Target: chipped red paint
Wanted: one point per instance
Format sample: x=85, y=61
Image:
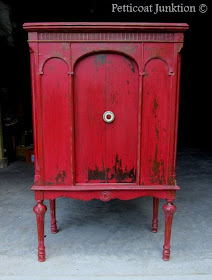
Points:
x=81, y=70
x=53, y=216
x=155, y=214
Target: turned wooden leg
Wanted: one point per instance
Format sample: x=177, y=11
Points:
x=40, y=210
x=169, y=208
x=53, y=216
x=155, y=214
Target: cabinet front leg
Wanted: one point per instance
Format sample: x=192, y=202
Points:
x=40, y=210
x=53, y=216
x=169, y=208
x=155, y=214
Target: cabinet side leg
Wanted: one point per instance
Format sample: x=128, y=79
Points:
x=40, y=210
x=169, y=208
x=53, y=215
x=155, y=214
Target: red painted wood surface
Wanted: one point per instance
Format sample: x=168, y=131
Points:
x=81, y=70
x=106, y=152
x=155, y=119
x=39, y=211
x=52, y=203
x=55, y=88
x=155, y=214
x=169, y=210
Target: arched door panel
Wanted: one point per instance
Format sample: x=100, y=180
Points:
x=106, y=152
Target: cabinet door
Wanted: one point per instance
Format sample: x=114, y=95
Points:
x=106, y=152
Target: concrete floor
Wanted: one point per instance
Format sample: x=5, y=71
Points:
x=112, y=240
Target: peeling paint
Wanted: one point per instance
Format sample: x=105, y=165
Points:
x=156, y=164
x=130, y=63
x=97, y=174
x=171, y=180
x=155, y=107
x=60, y=178
x=172, y=176
x=113, y=98
x=116, y=173
x=157, y=130
x=157, y=169
x=100, y=60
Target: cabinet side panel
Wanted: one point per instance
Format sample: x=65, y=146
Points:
x=36, y=110
x=155, y=122
x=37, y=177
x=55, y=89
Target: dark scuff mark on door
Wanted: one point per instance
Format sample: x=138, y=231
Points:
x=60, y=178
x=157, y=130
x=130, y=63
x=116, y=173
x=114, y=98
x=96, y=174
x=155, y=107
x=100, y=60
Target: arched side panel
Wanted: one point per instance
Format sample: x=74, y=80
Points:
x=155, y=123
x=163, y=51
x=56, y=112
x=54, y=50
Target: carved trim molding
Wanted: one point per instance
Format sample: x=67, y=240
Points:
x=110, y=36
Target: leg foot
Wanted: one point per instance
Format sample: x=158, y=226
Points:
x=53, y=216
x=40, y=210
x=169, y=209
x=155, y=214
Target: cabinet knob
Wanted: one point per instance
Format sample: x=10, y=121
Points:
x=108, y=116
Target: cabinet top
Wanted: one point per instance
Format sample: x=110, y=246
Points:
x=105, y=26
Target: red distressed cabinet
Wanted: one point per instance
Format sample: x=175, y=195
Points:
x=105, y=112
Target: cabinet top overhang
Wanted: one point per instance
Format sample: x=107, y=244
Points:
x=105, y=26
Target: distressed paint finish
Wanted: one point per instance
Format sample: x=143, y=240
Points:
x=81, y=70
x=55, y=88
x=109, y=153
x=52, y=203
x=155, y=122
x=132, y=50
x=155, y=214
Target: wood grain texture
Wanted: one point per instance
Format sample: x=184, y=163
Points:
x=106, y=152
x=55, y=88
x=155, y=123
